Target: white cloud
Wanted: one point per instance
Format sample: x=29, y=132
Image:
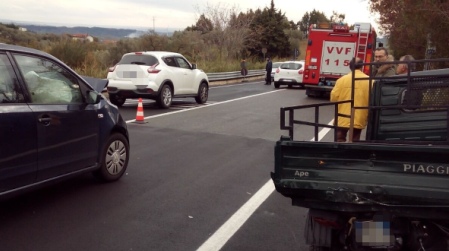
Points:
x=162, y=14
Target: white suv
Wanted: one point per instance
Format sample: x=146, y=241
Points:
x=156, y=75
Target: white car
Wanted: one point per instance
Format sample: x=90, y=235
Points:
x=289, y=73
x=156, y=75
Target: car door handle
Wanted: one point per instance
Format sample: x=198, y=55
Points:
x=44, y=120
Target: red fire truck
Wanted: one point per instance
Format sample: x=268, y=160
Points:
x=330, y=48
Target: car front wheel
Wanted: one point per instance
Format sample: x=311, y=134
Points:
x=116, y=100
x=114, y=158
x=203, y=94
x=165, y=97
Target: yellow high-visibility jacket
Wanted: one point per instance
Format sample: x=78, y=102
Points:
x=342, y=91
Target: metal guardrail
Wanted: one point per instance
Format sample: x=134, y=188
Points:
x=233, y=75
x=220, y=76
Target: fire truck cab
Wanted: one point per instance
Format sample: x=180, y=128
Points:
x=330, y=48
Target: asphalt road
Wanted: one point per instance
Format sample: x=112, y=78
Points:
x=193, y=170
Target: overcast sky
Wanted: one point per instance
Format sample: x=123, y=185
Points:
x=163, y=14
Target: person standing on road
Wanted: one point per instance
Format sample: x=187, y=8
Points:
x=403, y=68
x=383, y=69
x=268, y=68
x=409, y=97
x=243, y=68
x=342, y=91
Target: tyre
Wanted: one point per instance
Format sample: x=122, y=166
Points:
x=203, y=94
x=116, y=100
x=310, y=93
x=276, y=85
x=289, y=86
x=165, y=97
x=114, y=158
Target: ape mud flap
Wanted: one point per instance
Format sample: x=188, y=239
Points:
x=319, y=227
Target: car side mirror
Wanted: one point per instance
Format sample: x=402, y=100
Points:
x=194, y=66
x=93, y=97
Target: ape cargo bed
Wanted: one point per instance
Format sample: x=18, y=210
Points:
x=402, y=166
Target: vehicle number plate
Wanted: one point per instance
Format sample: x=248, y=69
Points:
x=130, y=74
x=373, y=233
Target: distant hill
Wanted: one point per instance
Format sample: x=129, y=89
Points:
x=101, y=33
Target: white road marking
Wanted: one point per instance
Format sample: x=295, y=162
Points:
x=231, y=85
x=233, y=224
x=209, y=105
x=323, y=132
x=227, y=230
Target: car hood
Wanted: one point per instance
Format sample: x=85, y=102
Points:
x=97, y=83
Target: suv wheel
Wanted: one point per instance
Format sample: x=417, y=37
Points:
x=114, y=158
x=276, y=85
x=165, y=97
x=203, y=94
x=116, y=100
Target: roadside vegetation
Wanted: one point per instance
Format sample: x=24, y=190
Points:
x=223, y=36
x=415, y=27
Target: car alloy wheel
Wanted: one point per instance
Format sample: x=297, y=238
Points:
x=165, y=97
x=203, y=94
x=114, y=159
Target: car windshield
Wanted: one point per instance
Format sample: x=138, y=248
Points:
x=138, y=59
x=291, y=66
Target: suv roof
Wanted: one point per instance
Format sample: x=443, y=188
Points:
x=155, y=53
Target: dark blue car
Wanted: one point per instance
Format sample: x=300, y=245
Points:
x=54, y=123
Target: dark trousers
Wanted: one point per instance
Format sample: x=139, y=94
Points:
x=342, y=133
x=268, y=78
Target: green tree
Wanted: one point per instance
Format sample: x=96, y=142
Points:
x=314, y=17
x=294, y=39
x=70, y=52
x=229, y=33
x=204, y=25
x=337, y=17
x=267, y=31
x=408, y=23
x=152, y=42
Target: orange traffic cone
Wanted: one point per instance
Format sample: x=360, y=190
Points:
x=139, y=116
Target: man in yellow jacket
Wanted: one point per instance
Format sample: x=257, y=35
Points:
x=342, y=91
